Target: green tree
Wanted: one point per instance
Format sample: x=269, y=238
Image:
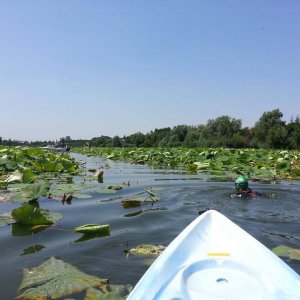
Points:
x=222, y=131
x=263, y=131
x=293, y=129
x=116, y=141
x=277, y=137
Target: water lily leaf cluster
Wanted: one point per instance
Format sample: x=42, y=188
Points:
x=257, y=164
x=27, y=164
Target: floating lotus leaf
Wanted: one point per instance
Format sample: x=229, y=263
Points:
x=51, y=166
x=30, y=215
x=68, y=188
x=131, y=203
x=92, y=231
x=106, y=191
x=286, y=251
x=55, y=279
x=82, y=196
x=147, y=250
x=68, y=165
x=93, y=228
x=32, y=192
x=247, y=161
x=28, y=176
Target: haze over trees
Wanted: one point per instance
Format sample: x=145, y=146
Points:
x=270, y=131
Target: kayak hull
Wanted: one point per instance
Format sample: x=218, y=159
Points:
x=213, y=258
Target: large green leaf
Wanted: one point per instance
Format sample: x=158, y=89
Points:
x=28, y=176
x=93, y=228
x=68, y=188
x=30, y=215
x=55, y=279
x=32, y=192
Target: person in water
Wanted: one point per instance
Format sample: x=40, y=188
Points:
x=242, y=188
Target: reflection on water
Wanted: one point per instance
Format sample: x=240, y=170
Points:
x=273, y=221
x=33, y=249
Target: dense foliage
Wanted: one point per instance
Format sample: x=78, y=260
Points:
x=28, y=165
x=258, y=164
x=268, y=132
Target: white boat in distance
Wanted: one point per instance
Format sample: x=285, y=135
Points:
x=56, y=149
x=213, y=259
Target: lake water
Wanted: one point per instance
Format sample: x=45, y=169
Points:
x=273, y=220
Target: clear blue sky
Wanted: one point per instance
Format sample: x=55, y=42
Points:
x=113, y=67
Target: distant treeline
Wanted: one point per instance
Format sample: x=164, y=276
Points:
x=268, y=132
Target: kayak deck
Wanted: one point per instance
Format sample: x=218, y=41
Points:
x=213, y=258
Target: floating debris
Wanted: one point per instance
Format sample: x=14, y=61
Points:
x=146, y=249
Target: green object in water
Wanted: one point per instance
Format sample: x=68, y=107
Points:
x=93, y=229
x=241, y=183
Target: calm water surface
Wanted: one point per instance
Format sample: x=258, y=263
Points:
x=273, y=220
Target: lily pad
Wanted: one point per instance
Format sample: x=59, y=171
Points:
x=82, y=196
x=32, y=192
x=147, y=250
x=285, y=251
x=93, y=228
x=55, y=279
x=67, y=188
x=92, y=231
x=131, y=203
x=31, y=215
x=106, y=191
